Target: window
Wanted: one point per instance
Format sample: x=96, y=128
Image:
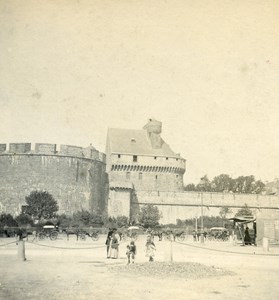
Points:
x=128, y=175
x=167, y=158
x=135, y=158
x=156, y=177
x=119, y=155
x=140, y=176
x=155, y=157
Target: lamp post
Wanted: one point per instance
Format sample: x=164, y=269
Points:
x=202, y=229
x=202, y=183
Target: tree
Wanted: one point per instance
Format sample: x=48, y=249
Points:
x=7, y=220
x=190, y=187
x=24, y=219
x=64, y=221
x=41, y=205
x=85, y=218
x=244, y=211
x=222, y=183
x=224, y=211
x=119, y=221
x=204, y=185
x=247, y=185
x=149, y=215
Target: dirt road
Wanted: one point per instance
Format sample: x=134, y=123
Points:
x=80, y=270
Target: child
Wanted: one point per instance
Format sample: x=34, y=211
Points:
x=131, y=252
x=150, y=249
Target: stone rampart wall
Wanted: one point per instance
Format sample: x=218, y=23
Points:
x=76, y=183
x=187, y=205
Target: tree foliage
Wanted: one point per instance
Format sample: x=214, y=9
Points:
x=41, y=205
x=7, y=220
x=149, y=215
x=24, y=219
x=85, y=218
x=119, y=221
x=224, y=183
x=244, y=211
x=224, y=211
x=208, y=222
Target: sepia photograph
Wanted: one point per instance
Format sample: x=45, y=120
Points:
x=139, y=149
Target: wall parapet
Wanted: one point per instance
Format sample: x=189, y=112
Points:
x=88, y=153
x=207, y=199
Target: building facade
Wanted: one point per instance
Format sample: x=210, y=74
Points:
x=140, y=160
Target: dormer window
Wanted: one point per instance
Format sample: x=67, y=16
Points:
x=133, y=141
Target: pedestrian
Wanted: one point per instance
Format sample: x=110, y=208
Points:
x=194, y=235
x=108, y=242
x=114, y=245
x=247, y=239
x=131, y=252
x=34, y=235
x=150, y=249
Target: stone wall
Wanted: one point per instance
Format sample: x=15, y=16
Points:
x=187, y=205
x=75, y=182
x=119, y=203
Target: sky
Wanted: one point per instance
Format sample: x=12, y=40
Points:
x=208, y=70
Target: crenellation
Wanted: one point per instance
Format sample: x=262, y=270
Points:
x=45, y=148
x=71, y=150
x=51, y=149
x=3, y=148
x=19, y=147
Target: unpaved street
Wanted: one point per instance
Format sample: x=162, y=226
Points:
x=80, y=270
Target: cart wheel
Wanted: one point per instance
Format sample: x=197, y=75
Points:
x=53, y=236
x=82, y=236
x=95, y=236
x=41, y=236
x=166, y=237
x=180, y=238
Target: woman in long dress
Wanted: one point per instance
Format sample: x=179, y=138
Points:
x=150, y=249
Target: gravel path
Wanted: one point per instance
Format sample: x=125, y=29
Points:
x=186, y=270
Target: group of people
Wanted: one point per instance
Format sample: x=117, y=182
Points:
x=112, y=244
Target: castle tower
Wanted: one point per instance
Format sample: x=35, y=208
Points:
x=154, y=129
x=140, y=160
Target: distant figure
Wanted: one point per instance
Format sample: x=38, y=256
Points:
x=247, y=239
x=194, y=235
x=131, y=252
x=114, y=243
x=34, y=235
x=108, y=242
x=205, y=235
x=150, y=249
